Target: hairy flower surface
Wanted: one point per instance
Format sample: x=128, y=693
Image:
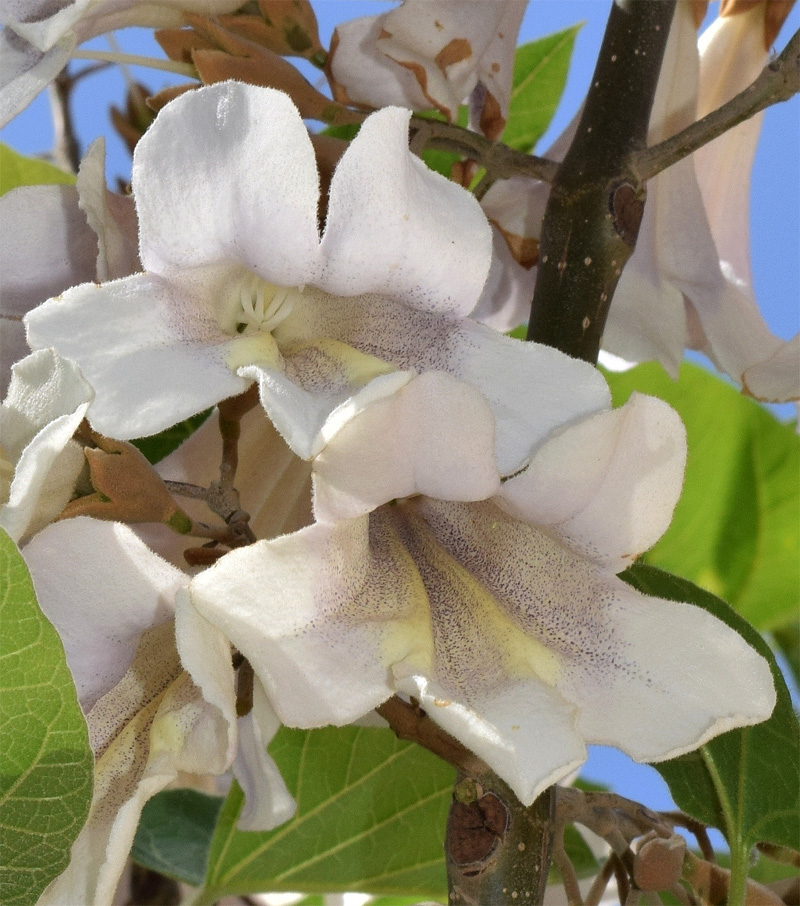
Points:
x=39, y=36
x=47, y=400
x=495, y=604
x=129, y=638
x=431, y=54
x=239, y=286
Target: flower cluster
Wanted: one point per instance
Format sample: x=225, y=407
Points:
x=425, y=506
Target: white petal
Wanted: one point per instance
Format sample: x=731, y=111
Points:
x=617, y=655
x=341, y=611
x=154, y=353
x=526, y=732
x=776, y=378
x=317, y=388
x=608, y=485
x=363, y=74
x=243, y=187
x=532, y=389
x=434, y=436
x=25, y=71
x=268, y=802
x=111, y=217
x=47, y=400
x=435, y=244
x=732, y=55
x=101, y=587
x=666, y=677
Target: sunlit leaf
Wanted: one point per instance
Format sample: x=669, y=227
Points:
x=371, y=817
x=46, y=782
x=745, y=782
x=540, y=74
x=736, y=530
x=18, y=170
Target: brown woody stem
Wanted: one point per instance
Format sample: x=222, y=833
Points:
x=595, y=207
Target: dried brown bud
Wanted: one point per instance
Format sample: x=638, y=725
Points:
x=127, y=488
x=286, y=27
x=659, y=863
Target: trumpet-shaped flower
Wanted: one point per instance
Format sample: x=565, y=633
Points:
x=495, y=604
x=688, y=282
x=239, y=287
x=39, y=36
x=130, y=637
x=428, y=54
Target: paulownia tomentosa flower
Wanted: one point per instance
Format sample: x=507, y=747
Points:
x=494, y=603
x=240, y=287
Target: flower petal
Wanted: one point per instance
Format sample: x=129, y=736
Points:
x=25, y=71
x=154, y=353
x=435, y=245
x=243, y=189
x=608, y=485
x=111, y=217
x=640, y=670
x=322, y=382
x=101, y=587
x=434, y=436
x=267, y=801
x=531, y=389
x=344, y=604
x=47, y=400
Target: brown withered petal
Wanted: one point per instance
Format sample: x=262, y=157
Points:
x=128, y=488
x=161, y=98
x=524, y=249
x=272, y=71
x=288, y=29
x=178, y=43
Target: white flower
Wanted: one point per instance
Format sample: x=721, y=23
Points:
x=39, y=36
x=239, y=286
x=55, y=236
x=431, y=54
x=130, y=637
x=495, y=605
x=688, y=282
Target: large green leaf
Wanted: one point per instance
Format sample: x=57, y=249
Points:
x=46, y=784
x=17, y=170
x=371, y=814
x=745, y=782
x=736, y=529
x=174, y=834
x=540, y=74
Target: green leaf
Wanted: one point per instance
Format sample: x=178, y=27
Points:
x=46, y=785
x=736, y=530
x=156, y=447
x=371, y=815
x=540, y=74
x=17, y=170
x=174, y=834
x=745, y=782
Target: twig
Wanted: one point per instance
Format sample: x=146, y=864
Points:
x=498, y=159
x=778, y=81
x=66, y=150
x=568, y=877
x=700, y=831
x=600, y=883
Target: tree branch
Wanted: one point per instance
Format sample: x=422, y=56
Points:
x=779, y=81
x=595, y=207
x=66, y=150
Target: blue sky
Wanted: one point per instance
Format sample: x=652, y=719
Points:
x=775, y=200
